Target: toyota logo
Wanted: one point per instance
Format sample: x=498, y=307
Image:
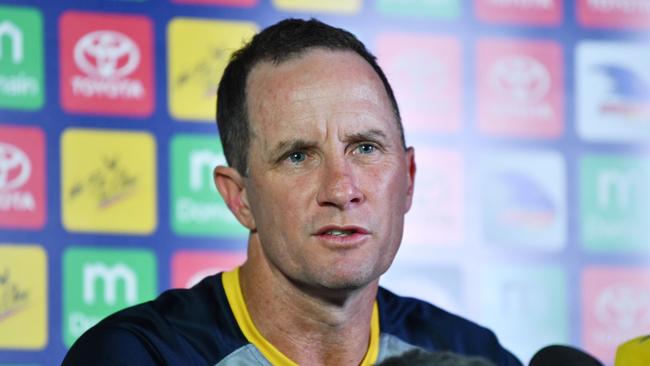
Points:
x=623, y=307
x=106, y=54
x=521, y=78
x=15, y=167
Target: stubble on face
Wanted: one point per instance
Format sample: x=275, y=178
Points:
x=325, y=153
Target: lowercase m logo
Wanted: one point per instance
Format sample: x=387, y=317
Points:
x=98, y=282
x=200, y=161
x=197, y=208
x=21, y=58
x=109, y=277
x=614, y=203
x=15, y=36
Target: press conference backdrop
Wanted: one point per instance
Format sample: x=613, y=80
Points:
x=530, y=120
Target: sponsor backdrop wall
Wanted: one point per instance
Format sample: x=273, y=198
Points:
x=530, y=119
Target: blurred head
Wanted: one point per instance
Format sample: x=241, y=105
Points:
x=420, y=357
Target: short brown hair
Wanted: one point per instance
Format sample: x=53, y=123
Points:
x=278, y=43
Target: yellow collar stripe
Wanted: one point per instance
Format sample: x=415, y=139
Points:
x=373, y=347
x=235, y=298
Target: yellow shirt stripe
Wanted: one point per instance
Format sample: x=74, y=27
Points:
x=236, y=301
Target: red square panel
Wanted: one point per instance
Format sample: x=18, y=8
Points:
x=22, y=177
x=615, y=308
x=190, y=267
x=238, y=3
x=547, y=12
x=614, y=13
x=437, y=213
x=106, y=64
x=520, y=88
x=425, y=73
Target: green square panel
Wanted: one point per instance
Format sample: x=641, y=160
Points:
x=99, y=282
x=615, y=203
x=196, y=206
x=512, y=299
x=21, y=58
x=438, y=9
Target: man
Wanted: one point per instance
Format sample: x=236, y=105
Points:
x=320, y=175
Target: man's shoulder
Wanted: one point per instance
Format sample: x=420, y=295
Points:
x=427, y=326
x=180, y=324
x=179, y=311
x=401, y=314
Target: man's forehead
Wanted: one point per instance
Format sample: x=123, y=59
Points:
x=315, y=95
x=298, y=82
x=304, y=103
x=326, y=66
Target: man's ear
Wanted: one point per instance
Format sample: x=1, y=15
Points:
x=231, y=187
x=410, y=176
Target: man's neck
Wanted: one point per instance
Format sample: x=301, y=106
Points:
x=307, y=327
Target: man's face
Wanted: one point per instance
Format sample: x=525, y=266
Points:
x=329, y=181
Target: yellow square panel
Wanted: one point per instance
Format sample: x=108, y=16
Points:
x=108, y=181
x=199, y=50
x=23, y=297
x=329, y=6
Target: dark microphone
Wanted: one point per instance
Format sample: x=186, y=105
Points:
x=556, y=355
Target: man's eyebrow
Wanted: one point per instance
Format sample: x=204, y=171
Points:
x=301, y=144
x=369, y=135
x=290, y=145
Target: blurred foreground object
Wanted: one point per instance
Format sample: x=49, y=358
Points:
x=635, y=352
x=420, y=357
x=556, y=355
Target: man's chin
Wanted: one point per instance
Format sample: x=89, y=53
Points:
x=339, y=286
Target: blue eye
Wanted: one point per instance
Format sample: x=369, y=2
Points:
x=366, y=148
x=297, y=157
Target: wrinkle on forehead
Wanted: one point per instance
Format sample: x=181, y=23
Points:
x=302, y=97
x=309, y=92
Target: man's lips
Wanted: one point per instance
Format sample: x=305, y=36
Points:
x=335, y=230
x=342, y=237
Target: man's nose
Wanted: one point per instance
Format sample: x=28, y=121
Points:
x=339, y=186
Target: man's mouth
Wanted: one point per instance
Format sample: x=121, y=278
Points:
x=339, y=232
x=343, y=231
